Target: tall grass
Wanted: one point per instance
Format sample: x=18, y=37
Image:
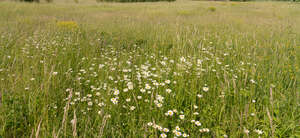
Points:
x=147, y=70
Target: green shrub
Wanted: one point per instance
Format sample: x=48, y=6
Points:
x=31, y=0
x=212, y=9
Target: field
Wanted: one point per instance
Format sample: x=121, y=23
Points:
x=164, y=69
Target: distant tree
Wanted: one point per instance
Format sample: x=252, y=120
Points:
x=134, y=0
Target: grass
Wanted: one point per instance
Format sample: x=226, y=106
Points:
x=133, y=69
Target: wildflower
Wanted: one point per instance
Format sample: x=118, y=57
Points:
x=159, y=128
x=54, y=73
x=130, y=85
x=177, y=133
x=246, y=131
x=116, y=92
x=159, y=105
x=142, y=90
x=148, y=86
x=205, y=89
x=259, y=132
x=181, y=116
x=197, y=123
x=177, y=128
x=182, y=59
x=101, y=104
x=170, y=113
x=199, y=95
x=160, y=98
x=199, y=61
x=150, y=124
x=132, y=108
x=273, y=86
x=101, y=66
x=90, y=103
x=166, y=130
x=204, y=130
x=185, y=135
x=163, y=135
x=167, y=81
x=114, y=100
x=168, y=90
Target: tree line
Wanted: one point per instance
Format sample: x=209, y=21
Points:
x=76, y=1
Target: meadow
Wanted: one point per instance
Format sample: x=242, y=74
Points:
x=164, y=69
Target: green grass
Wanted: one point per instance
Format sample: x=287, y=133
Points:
x=64, y=62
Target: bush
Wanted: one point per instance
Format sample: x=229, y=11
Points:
x=212, y=9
